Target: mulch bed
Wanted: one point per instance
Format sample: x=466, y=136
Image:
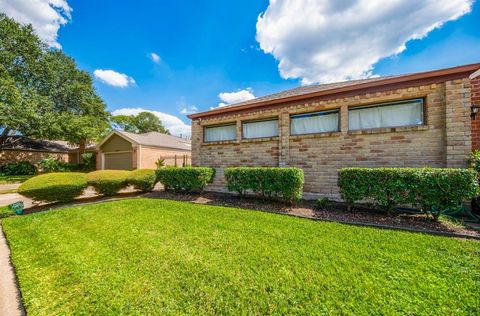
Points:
x=335, y=211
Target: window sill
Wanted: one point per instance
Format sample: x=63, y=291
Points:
x=261, y=139
x=389, y=130
x=221, y=142
x=316, y=135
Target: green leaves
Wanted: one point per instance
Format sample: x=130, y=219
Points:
x=432, y=189
x=54, y=187
x=108, y=182
x=190, y=179
x=143, y=122
x=284, y=183
x=142, y=179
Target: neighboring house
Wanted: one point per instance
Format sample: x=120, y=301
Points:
x=19, y=148
x=414, y=120
x=126, y=151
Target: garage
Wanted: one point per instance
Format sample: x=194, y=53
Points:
x=118, y=161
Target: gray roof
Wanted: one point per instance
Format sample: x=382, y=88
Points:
x=18, y=142
x=156, y=139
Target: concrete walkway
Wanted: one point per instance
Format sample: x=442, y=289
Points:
x=10, y=299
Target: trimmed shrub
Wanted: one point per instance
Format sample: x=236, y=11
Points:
x=18, y=169
x=190, y=179
x=284, y=183
x=54, y=187
x=108, y=182
x=142, y=179
x=432, y=189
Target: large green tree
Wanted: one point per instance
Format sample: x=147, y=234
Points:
x=143, y=122
x=42, y=92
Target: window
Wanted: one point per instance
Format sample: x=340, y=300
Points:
x=260, y=129
x=311, y=123
x=405, y=113
x=220, y=133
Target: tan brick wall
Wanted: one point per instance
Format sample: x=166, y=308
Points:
x=443, y=141
x=475, y=90
x=33, y=157
x=151, y=154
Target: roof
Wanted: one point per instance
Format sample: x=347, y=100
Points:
x=153, y=139
x=345, y=87
x=17, y=142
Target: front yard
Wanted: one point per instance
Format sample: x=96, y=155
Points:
x=148, y=256
x=14, y=179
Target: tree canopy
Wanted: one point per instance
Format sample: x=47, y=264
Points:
x=143, y=122
x=42, y=92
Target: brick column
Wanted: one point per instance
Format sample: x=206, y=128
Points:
x=196, y=141
x=344, y=119
x=475, y=86
x=457, y=122
x=283, y=139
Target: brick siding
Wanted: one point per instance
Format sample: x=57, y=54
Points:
x=443, y=141
x=476, y=122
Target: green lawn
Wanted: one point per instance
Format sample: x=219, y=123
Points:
x=14, y=179
x=144, y=256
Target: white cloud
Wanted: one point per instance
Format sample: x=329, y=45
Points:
x=325, y=41
x=46, y=16
x=175, y=125
x=113, y=78
x=235, y=97
x=155, y=58
x=189, y=109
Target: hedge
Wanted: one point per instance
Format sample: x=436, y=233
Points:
x=190, y=179
x=18, y=169
x=53, y=187
x=284, y=183
x=108, y=182
x=142, y=179
x=432, y=189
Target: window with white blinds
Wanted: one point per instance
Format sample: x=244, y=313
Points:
x=260, y=129
x=220, y=133
x=316, y=122
x=405, y=113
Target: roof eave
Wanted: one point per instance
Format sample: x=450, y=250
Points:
x=466, y=69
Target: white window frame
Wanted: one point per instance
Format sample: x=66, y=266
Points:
x=318, y=113
x=386, y=104
x=234, y=124
x=258, y=121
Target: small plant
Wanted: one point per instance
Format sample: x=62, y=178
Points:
x=190, y=179
x=88, y=161
x=474, y=160
x=160, y=163
x=53, y=187
x=322, y=203
x=143, y=179
x=108, y=182
x=18, y=168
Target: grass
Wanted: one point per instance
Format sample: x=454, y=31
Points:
x=145, y=256
x=8, y=191
x=5, y=211
x=14, y=179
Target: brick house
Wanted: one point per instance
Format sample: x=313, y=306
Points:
x=413, y=120
x=20, y=148
x=127, y=151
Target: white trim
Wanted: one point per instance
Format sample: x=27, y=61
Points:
x=475, y=74
x=102, y=158
x=118, y=134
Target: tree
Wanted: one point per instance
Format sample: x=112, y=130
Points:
x=143, y=122
x=42, y=92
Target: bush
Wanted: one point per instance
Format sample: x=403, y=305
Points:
x=433, y=189
x=108, y=182
x=284, y=183
x=190, y=179
x=18, y=168
x=89, y=161
x=143, y=179
x=50, y=164
x=53, y=187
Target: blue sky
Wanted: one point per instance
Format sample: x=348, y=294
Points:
x=206, y=48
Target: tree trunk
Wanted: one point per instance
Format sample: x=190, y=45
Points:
x=3, y=136
x=81, y=149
